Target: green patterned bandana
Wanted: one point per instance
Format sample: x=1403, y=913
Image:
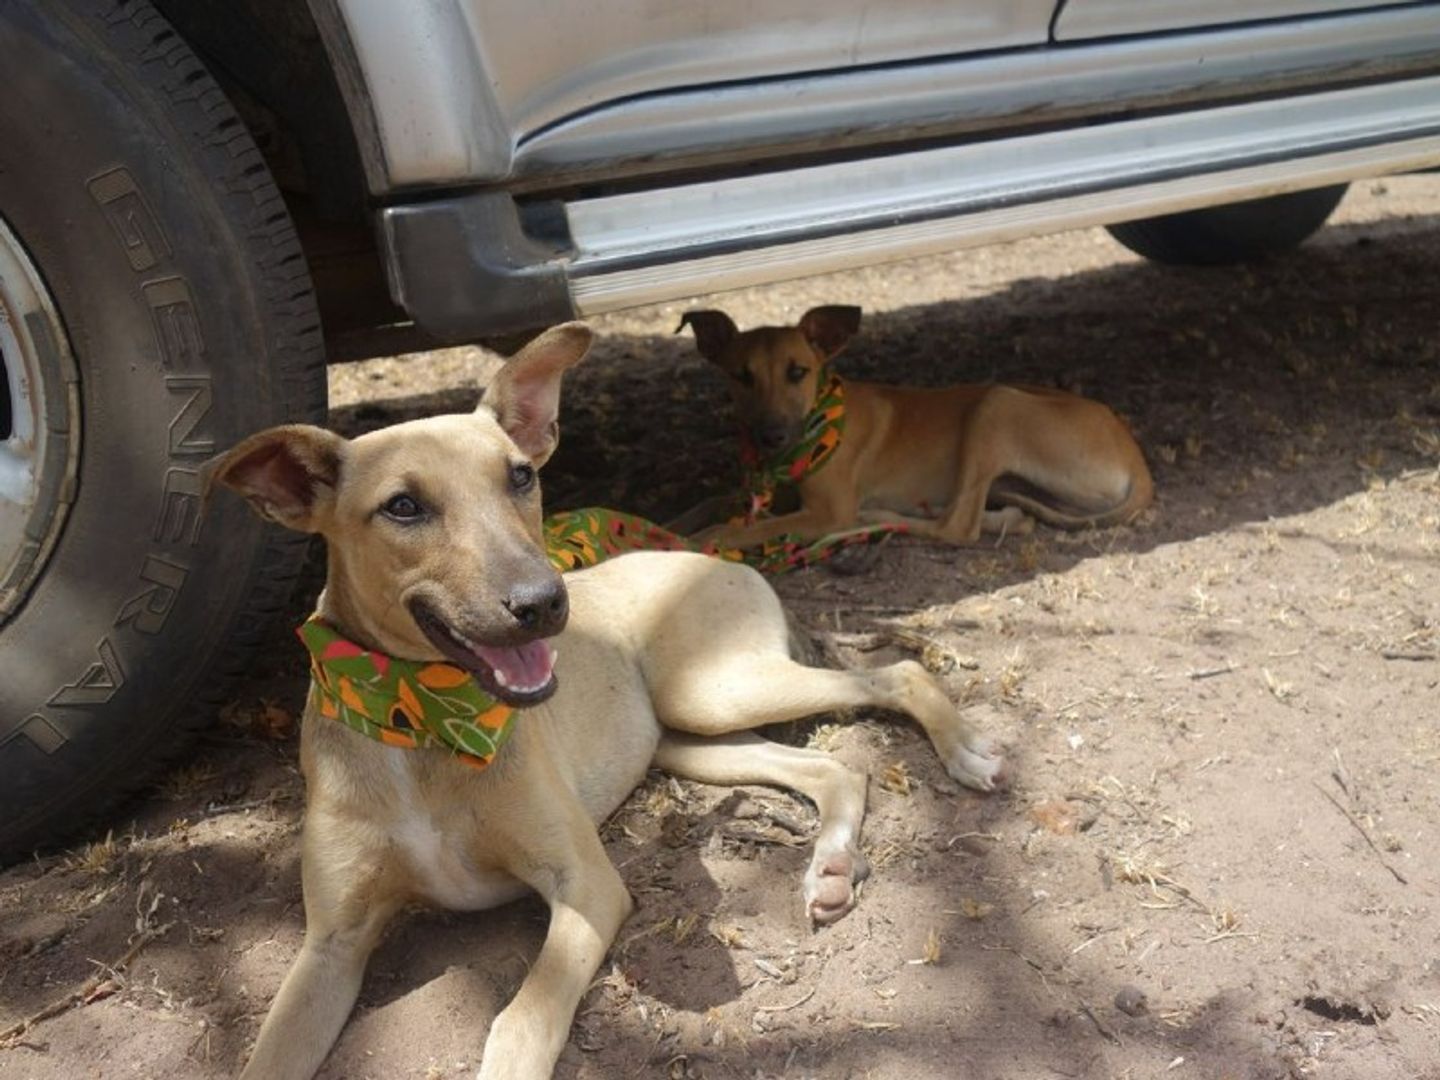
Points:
x=406, y=703
x=824, y=428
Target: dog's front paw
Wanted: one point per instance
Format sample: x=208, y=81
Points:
x=830, y=883
x=979, y=765
x=978, y=762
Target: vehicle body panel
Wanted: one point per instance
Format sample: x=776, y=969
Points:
x=636, y=248
x=456, y=85
x=467, y=93
x=622, y=49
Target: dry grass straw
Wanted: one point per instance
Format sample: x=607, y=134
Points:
x=931, y=951
x=96, y=859
x=896, y=778
x=187, y=780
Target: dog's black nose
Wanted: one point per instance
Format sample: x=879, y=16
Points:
x=539, y=606
x=772, y=437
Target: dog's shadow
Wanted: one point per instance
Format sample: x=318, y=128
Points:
x=675, y=852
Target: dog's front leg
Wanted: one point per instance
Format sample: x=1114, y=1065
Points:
x=588, y=902
x=825, y=508
x=350, y=894
x=818, y=517
x=704, y=515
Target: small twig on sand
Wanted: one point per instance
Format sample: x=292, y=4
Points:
x=1181, y=891
x=1202, y=673
x=1395, y=654
x=236, y=807
x=1096, y=936
x=786, y=1008
x=1210, y=673
x=1340, y=774
x=1100, y=1025
x=863, y=641
x=10, y=1038
x=1363, y=834
x=1087, y=700
x=877, y=609
x=972, y=836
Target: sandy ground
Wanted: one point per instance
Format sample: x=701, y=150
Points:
x=1218, y=856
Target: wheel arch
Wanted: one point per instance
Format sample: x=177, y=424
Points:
x=289, y=70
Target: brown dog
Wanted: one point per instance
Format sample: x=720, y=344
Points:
x=436, y=554
x=947, y=463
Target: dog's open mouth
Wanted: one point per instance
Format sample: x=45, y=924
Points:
x=518, y=675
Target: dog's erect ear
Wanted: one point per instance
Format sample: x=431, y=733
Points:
x=525, y=394
x=288, y=474
x=828, y=328
x=713, y=331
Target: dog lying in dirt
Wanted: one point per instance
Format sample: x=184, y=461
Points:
x=438, y=593
x=947, y=464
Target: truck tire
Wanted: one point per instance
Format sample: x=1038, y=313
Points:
x=1236, y=233
x=157, y=309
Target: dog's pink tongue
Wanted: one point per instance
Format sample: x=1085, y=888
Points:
x=524, y=667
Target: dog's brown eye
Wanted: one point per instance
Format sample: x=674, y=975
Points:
x=402, y=508
x=745, y=377
x=795, y=372
x=522, y=478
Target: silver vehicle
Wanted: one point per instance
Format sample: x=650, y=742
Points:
x=203, y=200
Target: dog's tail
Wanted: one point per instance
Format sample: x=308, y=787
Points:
x=810, y=648
x=1063, y=513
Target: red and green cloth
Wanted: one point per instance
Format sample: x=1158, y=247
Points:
x=413, y=704
x=820, y=437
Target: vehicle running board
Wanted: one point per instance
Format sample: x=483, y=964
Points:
x=652, y=246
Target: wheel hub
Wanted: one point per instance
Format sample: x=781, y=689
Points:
x=39, y=424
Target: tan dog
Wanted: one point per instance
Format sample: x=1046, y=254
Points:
x=435, y=552
x=947, y=463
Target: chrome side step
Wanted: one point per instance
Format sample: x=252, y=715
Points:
x=664, y=244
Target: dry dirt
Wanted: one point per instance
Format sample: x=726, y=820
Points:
x=1218, y=857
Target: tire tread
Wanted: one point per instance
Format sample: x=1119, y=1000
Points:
x=256, y=213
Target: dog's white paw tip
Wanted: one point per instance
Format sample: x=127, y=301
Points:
x=831, y=901
x=981, y=767
x=1001, y=776
x=830, y=885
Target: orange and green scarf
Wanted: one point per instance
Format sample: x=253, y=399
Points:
x=820, y=437
x=420, y=703
x=405, y=703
